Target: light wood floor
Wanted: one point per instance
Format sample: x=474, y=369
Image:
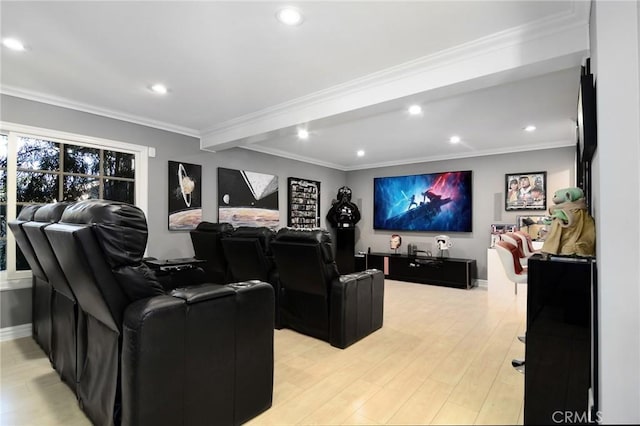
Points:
x=443, y=356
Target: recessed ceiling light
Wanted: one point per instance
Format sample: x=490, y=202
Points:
x=13, y=44
x=160, y=89
x=303, y=134
x=415, y=110
x=289, y=16
x=530, y=128
x=454, y=139
x=360, y=153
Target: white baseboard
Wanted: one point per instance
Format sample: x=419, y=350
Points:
x=482, y=283
x=15, y=332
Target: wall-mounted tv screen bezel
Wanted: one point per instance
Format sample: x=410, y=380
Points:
x=587, y=117
x=430, y=202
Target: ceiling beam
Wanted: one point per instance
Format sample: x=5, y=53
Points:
x=547, y=45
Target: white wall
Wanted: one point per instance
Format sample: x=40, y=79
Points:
x=616, y=43
x=15, y=307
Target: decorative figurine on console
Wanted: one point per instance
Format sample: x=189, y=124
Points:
x=573, y=230
x=443, y=244
x=343, y=213
x=395, y=242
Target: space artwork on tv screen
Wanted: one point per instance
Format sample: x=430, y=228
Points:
x=438, y=202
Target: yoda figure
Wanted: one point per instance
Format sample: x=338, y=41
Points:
x=573, y=230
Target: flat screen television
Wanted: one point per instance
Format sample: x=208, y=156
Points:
x=587, y=119
x=435, y=202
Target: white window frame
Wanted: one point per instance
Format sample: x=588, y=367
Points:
x=10, y=279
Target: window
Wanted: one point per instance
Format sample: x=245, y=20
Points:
x=4, y=141
x=61, y=167
x=49, y=171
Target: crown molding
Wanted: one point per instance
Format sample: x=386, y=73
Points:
x=413, y=160
x=290, y=156
x=562, y=34
x=91, y=109
x=484, y=153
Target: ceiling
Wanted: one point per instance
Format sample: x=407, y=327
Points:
x=482, y=70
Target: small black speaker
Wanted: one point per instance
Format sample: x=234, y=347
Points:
x=498, y=206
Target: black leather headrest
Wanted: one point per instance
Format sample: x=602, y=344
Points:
x=105, y=211
x=263, y=234
x=51, y=212
x=309, y=236
x=224, y=227
x=28, y=212
x=304, y=258
x=121, y=228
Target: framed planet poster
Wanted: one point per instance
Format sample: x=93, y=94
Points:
x=185, y=200
x=248, y=198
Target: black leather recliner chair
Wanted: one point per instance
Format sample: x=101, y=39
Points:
x=41, y=290
x=207, y=245
x=197, y=355
x=248, y=254
x=65, y=315
x=317, y=301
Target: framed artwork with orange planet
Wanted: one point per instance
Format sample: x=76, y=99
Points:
x=185, y=196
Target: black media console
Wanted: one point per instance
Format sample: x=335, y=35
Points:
x=443, y=271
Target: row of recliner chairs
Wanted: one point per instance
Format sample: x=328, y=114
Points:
x=134, y=353
x=311, y=296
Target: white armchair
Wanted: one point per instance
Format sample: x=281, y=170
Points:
x=512, y=238
x=510, y=259
x=527, y=243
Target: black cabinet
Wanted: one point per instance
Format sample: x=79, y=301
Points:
x=360, y=262
x=560, y=349
x=345, y=249
x=446, y=271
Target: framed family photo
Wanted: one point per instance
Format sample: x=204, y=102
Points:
x=526, y=191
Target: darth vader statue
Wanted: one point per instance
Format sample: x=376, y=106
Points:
x=343, y=213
